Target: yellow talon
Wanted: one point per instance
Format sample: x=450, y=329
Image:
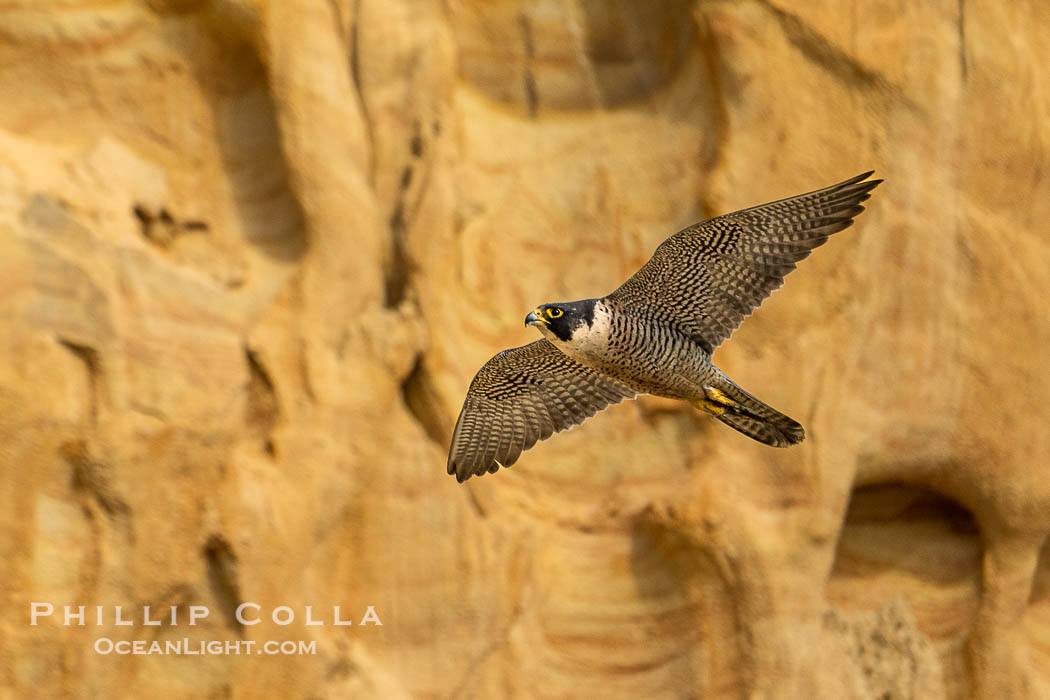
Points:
x=708, y=406
x=718, y=396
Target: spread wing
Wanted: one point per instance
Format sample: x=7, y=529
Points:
x=707, y=278
x=519, y=397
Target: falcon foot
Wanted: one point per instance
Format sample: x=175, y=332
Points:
x=715, y=402
x=707, y=406
x=718, y=396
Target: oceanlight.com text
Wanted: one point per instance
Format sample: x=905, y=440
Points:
x=198, y=647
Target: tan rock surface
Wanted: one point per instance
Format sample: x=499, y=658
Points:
x=251, y=254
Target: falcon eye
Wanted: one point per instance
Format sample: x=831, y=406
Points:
x=554, y=312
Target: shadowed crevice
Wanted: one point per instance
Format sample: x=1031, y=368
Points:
x=410, y=193
x=239, y=95
x=92, y=361
x=262, y=410
x=354, y=51
x=1040, y=592
x=221, y=563
x=423, y=402
x=396, y=277
x=528, y=77
x=818, y=49
x=161, y=228
x=901, y=541
x=91, y=476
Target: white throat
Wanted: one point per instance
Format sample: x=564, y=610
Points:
x=588, y=343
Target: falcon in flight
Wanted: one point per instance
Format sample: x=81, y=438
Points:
x=653, y=335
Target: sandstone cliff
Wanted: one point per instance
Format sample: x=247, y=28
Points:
x=251, y=254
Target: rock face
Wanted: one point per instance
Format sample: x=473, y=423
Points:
x=251, y=254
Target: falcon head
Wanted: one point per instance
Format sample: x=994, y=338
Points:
x=560, y=320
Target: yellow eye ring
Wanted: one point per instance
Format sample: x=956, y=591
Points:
x=554, y=312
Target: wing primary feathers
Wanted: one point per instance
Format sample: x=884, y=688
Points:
x=707, y=278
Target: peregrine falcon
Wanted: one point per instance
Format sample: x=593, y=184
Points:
x=653, y=335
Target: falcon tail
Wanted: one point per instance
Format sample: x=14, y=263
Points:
x=743, y=412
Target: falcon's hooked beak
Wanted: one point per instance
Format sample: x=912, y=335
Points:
x=535, y=317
